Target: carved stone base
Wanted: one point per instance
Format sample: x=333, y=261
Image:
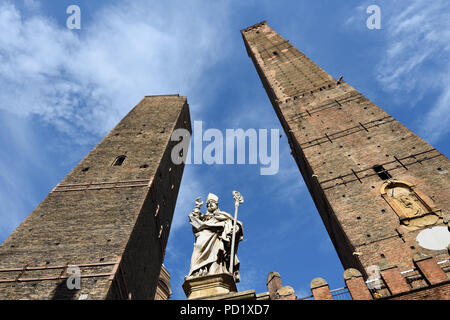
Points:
x=208, y=286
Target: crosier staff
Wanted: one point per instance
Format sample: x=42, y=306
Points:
x=238, y=199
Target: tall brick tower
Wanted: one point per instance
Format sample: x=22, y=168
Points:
x=376, y=185
x=110, y=217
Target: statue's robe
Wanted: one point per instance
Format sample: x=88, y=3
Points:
x=213, y=242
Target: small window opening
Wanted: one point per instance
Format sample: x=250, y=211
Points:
x=382, y=173
x=119, y=160
x=85, y=169
x=275, y=53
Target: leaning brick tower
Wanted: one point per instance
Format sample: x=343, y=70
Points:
x=110, y=217
x=382, y=192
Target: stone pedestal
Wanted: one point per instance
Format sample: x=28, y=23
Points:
x=208, y=286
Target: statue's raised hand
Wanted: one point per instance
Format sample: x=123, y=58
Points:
x=198, y=205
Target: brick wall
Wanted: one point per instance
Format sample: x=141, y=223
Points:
x=101, y=213
x=337, y=136
x=392, y=284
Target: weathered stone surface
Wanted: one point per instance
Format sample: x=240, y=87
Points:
x=273, y=276
x=209, y=286
x=101, y=212
x=242, y=295
x=419, y=256
x=286, y=293
x=318, y=282
x=351, y=273
x=320, y=289
x=273, y=284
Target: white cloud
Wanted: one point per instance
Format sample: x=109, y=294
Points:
x=416, y=59
x=87, y=81
x=83, y=83
x=436, y=123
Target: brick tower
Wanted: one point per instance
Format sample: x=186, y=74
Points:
x=110, y=217
x=376, y=185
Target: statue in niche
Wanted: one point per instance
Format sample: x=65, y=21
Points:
x=414, y=209
x=213, y=236
x=410, y=206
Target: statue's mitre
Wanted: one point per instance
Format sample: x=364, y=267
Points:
x=212, y=196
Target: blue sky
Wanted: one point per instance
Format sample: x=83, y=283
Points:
x=62, y=90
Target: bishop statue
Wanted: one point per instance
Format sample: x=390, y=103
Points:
x=214, y=252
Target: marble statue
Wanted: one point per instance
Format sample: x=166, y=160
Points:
x=213, y=233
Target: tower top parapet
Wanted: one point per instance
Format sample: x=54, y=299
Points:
x=254, y=26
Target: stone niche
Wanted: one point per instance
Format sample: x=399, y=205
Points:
x=414, y=209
